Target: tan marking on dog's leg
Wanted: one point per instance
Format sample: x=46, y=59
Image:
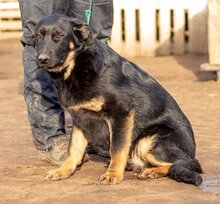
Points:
x=76, y=152
x=119, y=158
x=144, y=146
x=94, y=104
x=142, y=154
x=143, y=151
x=154, y=173
x=153, y=161
x=109, y=128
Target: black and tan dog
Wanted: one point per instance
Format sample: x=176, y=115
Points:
x=116, y=105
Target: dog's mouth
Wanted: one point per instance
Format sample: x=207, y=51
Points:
x=57, y=68
x=62, y=64
x=53, y=67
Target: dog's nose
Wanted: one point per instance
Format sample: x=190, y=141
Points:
x=43, y=59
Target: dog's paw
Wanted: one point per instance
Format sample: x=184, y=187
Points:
x=57, y=174
x=109, y=179
x=151, y=173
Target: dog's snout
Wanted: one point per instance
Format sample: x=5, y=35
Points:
x=43, y=59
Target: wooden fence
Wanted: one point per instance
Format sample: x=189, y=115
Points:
x=141, y=27
x=10, y=19
x=159, y=27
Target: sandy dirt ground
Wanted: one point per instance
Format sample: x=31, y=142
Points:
x=21, y=174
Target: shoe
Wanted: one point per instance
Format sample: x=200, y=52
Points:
x=57, y=154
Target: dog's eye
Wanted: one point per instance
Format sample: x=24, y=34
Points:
x=39, y=36
x=58, y=37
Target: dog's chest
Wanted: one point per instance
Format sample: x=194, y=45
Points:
x=94, y=104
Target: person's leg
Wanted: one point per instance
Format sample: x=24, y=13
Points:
x=101, y=18
x=45, y=114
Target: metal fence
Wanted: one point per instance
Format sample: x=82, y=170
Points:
x=141, y=27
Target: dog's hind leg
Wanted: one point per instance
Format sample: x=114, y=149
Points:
x=167, y=159
x=141, y=157
x=153, y=173
x=76, y=152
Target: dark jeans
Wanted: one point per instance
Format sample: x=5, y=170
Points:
x=45, y=114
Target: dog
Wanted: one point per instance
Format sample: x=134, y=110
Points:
x=116, y=105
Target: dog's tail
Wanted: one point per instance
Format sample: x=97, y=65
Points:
x=187, y=171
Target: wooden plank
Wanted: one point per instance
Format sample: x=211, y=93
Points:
x=10, y=25
x=193, y=30
x=214, y=32
x=147, y=28
x=3, y=1
x=209, y=67
x=10, y=14
x=198, y=26
x=131, y=45
x=204, y=28
x=164, y=44
x=9, y=5
x=9, y=35
x=116, y=37
x=179, y=46
x=0, y=24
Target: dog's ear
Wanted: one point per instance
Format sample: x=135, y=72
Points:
x=82, y=33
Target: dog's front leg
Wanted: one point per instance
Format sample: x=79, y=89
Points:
x=121, y=130
x=76, y=152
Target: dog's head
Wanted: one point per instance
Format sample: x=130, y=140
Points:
x=57, y=40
